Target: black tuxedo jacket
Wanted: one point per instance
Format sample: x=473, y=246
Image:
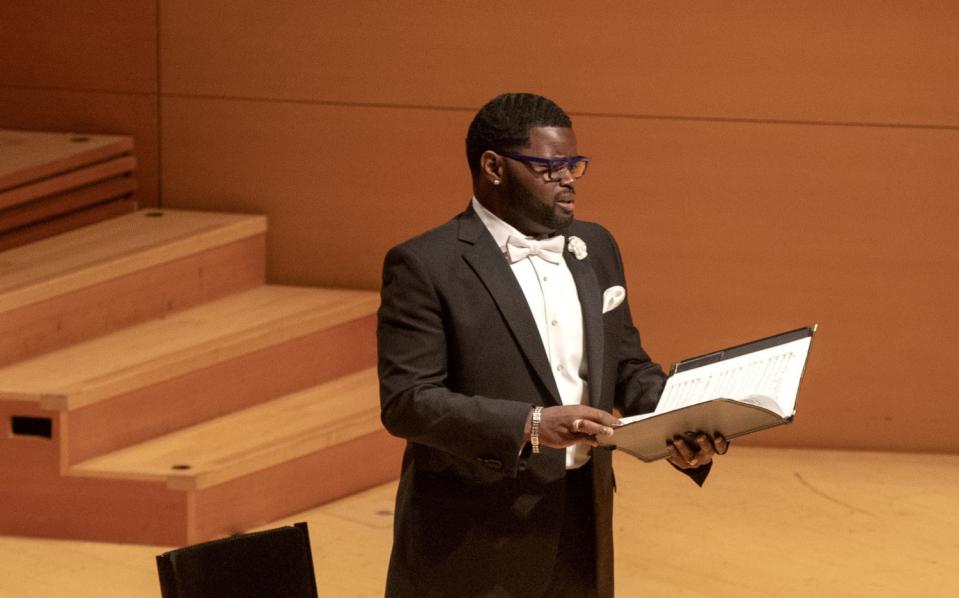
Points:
x=460, y=364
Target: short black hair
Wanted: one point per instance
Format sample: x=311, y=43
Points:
x=503, y=124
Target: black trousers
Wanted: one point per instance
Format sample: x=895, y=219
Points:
x=575, y=573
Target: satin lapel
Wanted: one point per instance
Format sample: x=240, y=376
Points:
x=485, y=258
x=590, y=300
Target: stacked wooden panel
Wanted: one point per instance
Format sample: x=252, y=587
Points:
x=54, y=182
x=200, y=403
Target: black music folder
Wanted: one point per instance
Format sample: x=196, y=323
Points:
x=733, y=392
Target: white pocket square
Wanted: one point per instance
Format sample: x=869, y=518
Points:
x=612, y=297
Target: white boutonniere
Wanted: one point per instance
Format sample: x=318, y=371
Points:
x=577, y=247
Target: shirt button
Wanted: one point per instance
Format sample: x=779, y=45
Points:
x=559, y=368
x=545, y=278
x=554, y=322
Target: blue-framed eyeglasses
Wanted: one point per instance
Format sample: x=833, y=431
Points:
x=553, y=170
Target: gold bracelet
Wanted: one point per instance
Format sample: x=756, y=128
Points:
x=534, y=430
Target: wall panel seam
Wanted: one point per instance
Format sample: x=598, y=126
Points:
x=159, y=108
x=574, y=113
x=79, y=90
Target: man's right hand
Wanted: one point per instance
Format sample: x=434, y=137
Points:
x=566, y=425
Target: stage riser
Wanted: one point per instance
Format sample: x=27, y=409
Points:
x=229, y=386
x=67, y=222
x=126, y=300
x=28, y=457
x=296, y=485
x=47, y=505
x=98, y=510
x=64, y=203
x=127, y=332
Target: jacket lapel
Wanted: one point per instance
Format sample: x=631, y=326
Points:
x=587, y=287
x=485, y=258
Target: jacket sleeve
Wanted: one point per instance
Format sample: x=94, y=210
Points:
x=415, y=402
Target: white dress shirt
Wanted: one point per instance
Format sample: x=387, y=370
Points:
x=554, y=303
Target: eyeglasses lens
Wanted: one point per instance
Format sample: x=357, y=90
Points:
x=558, y=170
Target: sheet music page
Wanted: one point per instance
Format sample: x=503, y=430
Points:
x=774, y=372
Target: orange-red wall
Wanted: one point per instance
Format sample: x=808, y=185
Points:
x=763, y=165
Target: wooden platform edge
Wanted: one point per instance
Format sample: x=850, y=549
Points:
x=213, y=352
x=60, y=204
x=248, y=226
x=217, y=511
x=109, y=147
x=70, y=180
x=67, y=223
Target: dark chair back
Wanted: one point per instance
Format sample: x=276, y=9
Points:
x=272, y=563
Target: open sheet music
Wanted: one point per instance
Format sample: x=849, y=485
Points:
x=733, y=392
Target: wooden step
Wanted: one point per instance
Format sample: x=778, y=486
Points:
x=39, y=501
x=109, y=275
x=246, y=468
x=196, y=364
x=251, y=439
x=65, y=203
x=183, y=342
x=88, y=175
x=308, y=448
x=67, y=222
x=28, y=156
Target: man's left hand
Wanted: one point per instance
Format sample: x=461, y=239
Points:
x=695, y=449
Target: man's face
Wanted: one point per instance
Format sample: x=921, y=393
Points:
x=537, y=206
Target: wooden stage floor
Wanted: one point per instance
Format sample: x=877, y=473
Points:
x=768, y=523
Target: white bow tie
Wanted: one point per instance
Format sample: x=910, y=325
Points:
x=519, y=248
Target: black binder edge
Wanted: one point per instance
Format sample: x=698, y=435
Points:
x=743, y=349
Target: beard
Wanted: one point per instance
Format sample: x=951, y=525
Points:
x=527, y=209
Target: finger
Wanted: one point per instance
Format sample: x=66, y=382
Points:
x=721, y=444
x=583, y=438
x=685, y=451
x=706, y=448
x=592, y=428
x=675, y=458
x=596, y=415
